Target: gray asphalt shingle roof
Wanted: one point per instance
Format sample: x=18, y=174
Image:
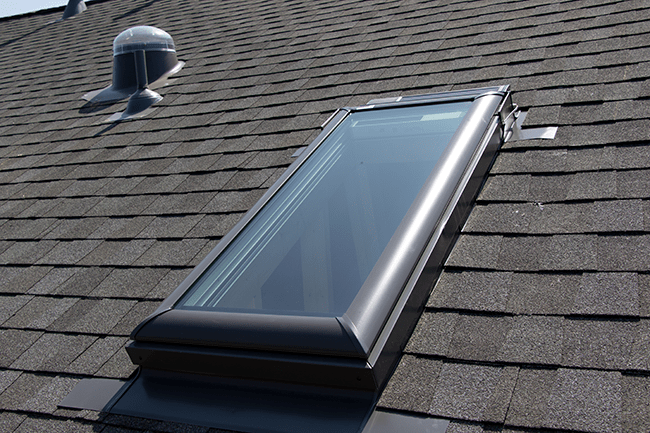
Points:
x=541, y=317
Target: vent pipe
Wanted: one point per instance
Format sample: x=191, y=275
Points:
x=74, y=7
x=144, y=58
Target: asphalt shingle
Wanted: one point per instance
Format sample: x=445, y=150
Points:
x=611, y=293
x=574, y=399
x=36, y=393
x=540, y=318
x=456, y=290
x=415, y=377
x=40, y=312
x=533, y=340
x=473, y=392
x=16, y=341
x=92, y=316
x=10, y=304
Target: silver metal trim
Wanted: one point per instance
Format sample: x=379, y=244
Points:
x=382, y=421
x=519, y=133
x=324, y=124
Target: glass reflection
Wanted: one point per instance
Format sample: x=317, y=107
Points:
x=312, y=246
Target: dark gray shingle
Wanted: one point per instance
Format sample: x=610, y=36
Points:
x=540, y=316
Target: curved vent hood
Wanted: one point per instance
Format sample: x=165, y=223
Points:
x=144, y=58
x=74, y=7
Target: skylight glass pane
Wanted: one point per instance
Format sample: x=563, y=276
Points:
x=311, y=247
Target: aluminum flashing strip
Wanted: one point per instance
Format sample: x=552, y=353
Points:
x=94, y=394
x=389, y=422
x=546, y=133
x=244, y=405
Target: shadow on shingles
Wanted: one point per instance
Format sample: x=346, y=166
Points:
x=108, y=128
x=16, y=39
x=94, y=107
x=135, y=10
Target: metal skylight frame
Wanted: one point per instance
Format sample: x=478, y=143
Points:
x=358, y=349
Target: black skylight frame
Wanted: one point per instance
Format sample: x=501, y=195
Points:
x=356, y=350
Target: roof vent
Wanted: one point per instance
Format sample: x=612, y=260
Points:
x=74, y=7
x=143, y=59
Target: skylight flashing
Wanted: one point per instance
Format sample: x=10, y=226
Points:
x=519, y=133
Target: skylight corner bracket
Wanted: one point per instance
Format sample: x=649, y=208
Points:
x=518, y=133
x=501, y=93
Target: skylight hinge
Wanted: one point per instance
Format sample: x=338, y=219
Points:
x=509, y=120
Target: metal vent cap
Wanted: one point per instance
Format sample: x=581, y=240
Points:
x=144, y=58
x=143, y=38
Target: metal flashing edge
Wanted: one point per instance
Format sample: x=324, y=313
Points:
x=519, y=133
x=382, y=421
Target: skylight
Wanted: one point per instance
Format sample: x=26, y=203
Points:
x=322, y=281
